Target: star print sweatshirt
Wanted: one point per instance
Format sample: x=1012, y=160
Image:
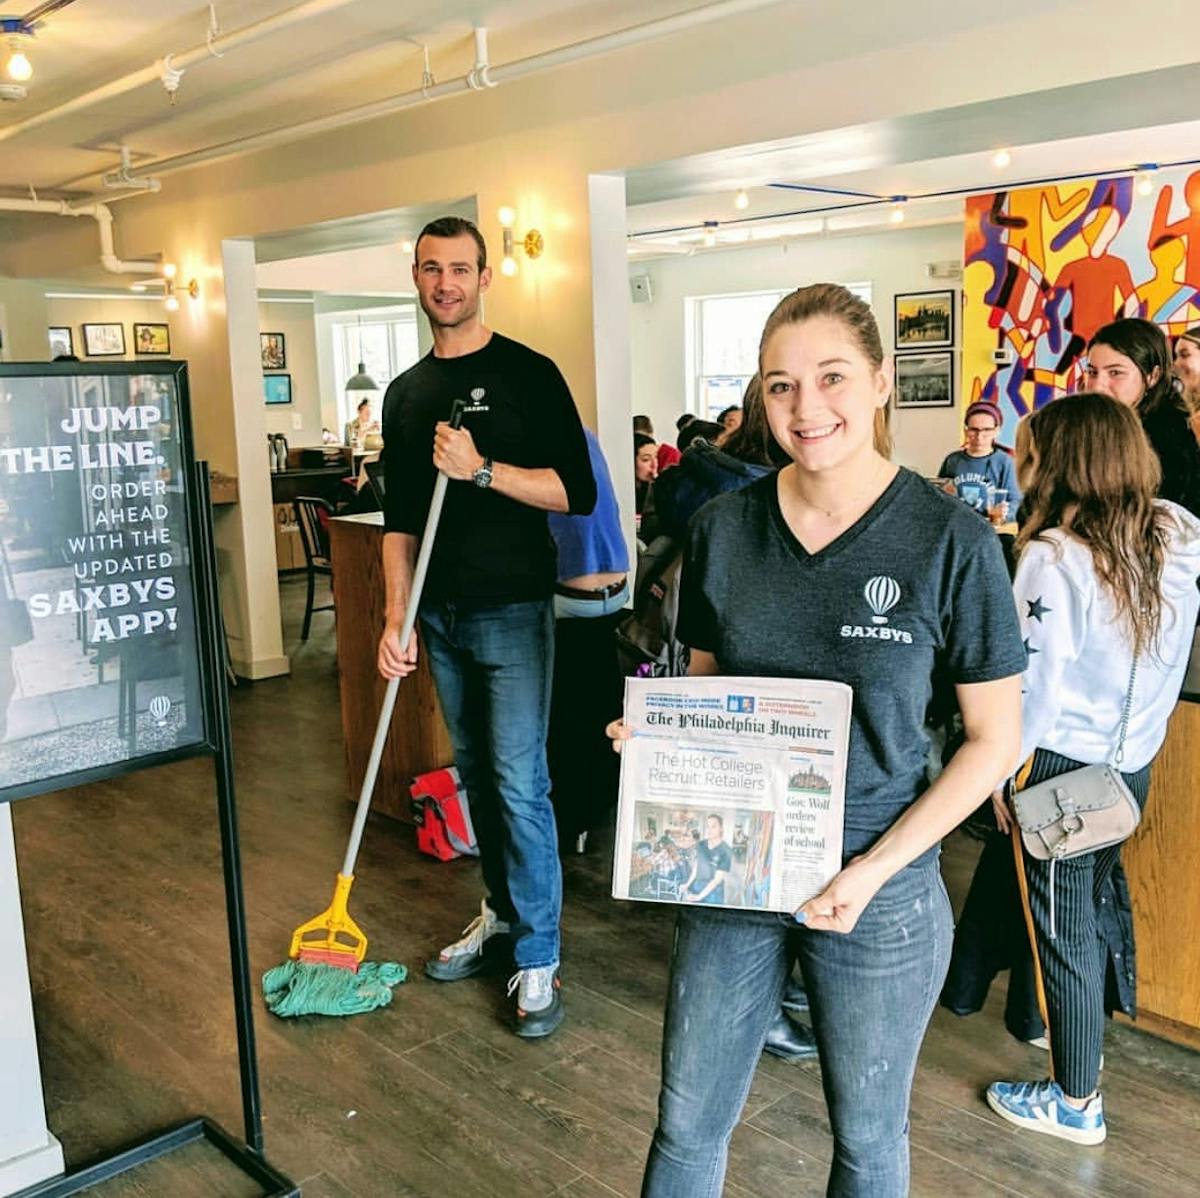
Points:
x=1079, y=655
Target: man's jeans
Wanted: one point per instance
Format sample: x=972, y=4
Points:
x=871, y=995
x=493, y=668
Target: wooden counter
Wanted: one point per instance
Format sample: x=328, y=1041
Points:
x=418, y=740
x=1164, y=883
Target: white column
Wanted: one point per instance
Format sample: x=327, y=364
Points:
x=610, y=324
x=28, y=1152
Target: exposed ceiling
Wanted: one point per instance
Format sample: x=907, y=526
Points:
x=356, y=52
x=1102, y=127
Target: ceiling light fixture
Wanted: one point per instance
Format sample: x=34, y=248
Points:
x=1143, y=181
x=897, y=213
x=710, y=234
x=741, y=201
x=1001, y=159
x=17, y=35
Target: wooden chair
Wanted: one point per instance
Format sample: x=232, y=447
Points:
x=314, y=538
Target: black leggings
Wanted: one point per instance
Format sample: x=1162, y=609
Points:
x=1073, y=962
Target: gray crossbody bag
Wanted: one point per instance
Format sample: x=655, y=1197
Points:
x=1081, y=811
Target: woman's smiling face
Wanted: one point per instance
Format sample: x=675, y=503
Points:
x=822, y=393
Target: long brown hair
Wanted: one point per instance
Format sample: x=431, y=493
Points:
x=837, y=303
x=1091, y=472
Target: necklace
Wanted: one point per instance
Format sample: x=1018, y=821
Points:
x=851, y=504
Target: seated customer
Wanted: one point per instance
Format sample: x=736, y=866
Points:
x=706, y=471
x=668, y=455
x=592, y=590
x=982, y=468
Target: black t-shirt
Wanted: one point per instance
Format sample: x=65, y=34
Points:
x=918, y=583
x=489, y=549
x=709, y=862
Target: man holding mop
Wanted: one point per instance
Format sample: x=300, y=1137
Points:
x=486, y=614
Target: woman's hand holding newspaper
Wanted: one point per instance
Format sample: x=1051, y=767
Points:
x=618, y=732
x=838, y=907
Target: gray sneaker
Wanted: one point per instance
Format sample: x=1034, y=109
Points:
x=485, y=946
x=539, y=1001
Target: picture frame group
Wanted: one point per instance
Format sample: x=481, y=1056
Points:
x=107, y=340
x=277, y=388
x=924, y=344
x=274, y=351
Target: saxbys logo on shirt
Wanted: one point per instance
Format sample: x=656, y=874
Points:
x=882, y=593
x=478, y=395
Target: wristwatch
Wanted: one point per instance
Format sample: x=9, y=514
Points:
x=483, y=476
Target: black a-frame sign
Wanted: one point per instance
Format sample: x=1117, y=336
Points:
x=108, y=573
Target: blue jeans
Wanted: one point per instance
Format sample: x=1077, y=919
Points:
x=493, y=667
x=871, y=995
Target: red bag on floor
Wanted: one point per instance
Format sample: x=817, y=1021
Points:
x=442, y=815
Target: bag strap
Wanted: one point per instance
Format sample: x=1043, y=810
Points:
x=1119, y=755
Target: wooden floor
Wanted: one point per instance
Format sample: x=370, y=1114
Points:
x=434, y=1096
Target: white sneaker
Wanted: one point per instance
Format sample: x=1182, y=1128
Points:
x=539, y=1001
x=483, y=946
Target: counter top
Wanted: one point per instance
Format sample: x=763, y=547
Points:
x=367, y=519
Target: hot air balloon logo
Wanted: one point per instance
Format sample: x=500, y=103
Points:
x=159, y=706
x=882, y=594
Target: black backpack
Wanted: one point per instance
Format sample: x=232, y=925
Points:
x=647, y=645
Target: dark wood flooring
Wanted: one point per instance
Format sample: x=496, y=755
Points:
x=434, y=1096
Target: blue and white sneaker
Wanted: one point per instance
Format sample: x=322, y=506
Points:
x=1040, y=1106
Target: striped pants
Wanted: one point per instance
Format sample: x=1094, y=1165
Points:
x=1073, y=963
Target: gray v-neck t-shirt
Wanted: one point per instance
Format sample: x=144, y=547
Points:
x=916, y=587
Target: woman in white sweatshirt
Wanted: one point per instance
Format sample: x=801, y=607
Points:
x=1106, y=576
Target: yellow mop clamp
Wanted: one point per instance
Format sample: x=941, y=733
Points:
x=332, y=938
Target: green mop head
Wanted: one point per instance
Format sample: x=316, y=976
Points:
x=297, y=988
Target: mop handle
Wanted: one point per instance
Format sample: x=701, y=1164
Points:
x=410, y=621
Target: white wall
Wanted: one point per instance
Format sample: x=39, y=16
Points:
x=299, y=421
x=891, y=262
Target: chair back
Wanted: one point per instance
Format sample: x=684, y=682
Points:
x=312, y=516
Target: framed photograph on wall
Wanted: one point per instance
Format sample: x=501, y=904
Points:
x=152, y=339
x=277, y=388
x=274, y=351
x=104, y=340
x=925, y=320
x=61, y=341
x=925, y=380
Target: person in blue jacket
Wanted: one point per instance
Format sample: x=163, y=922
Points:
x=981, y=467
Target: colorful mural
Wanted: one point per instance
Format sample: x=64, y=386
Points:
x=1046, y=267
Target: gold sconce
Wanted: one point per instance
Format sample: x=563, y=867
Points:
x=533, y=243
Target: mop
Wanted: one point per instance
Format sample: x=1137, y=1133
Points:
x=326, y=973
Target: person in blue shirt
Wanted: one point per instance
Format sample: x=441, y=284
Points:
x=590, y=593
x=982, y=468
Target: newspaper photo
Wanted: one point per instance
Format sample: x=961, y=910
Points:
x=732, y=791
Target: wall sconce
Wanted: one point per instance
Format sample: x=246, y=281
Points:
x=532, y=243
x=170, y=290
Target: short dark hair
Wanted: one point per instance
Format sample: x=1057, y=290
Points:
x=640, y=441
x=641, y=424
x=453, y=226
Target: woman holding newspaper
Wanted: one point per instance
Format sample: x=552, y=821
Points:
x=840, y=567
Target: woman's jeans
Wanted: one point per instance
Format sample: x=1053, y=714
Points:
x=492, y=667
x=871, y=994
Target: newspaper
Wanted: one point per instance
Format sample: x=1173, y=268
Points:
x=732, y=791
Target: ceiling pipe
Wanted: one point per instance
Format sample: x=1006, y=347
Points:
x=211, y=47
x=481, y=75
x=123, y=179
x=104, y=221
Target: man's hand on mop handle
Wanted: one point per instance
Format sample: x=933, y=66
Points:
x=395, y=662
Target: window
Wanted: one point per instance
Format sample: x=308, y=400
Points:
x=385, y=342
x=722, y=335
